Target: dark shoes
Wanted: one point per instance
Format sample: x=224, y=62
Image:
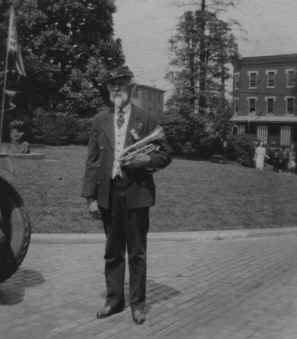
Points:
x=138, y=316
x=109, y=310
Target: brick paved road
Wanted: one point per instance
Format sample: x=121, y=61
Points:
x=242, y=289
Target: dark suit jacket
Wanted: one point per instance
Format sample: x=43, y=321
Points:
x=97, y=179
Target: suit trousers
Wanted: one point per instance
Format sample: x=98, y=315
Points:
x=125, y=230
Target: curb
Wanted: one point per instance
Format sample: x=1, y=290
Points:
x=93, y=238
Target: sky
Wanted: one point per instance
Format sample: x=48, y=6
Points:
x=145, y=26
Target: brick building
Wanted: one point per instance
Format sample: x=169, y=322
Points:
x=264, y=94
x=150, y=99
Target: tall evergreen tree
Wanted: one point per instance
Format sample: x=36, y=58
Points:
x=200, y=67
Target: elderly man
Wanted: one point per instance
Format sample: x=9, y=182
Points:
x=122, y=193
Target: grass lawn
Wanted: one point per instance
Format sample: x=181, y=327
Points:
x=191, y=195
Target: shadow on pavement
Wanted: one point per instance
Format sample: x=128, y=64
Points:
x=12, y=291
x=156, y=293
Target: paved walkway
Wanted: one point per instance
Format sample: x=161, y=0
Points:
x=198, y=287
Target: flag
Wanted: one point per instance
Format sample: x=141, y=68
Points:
x=10, y=95
x=15, y=65
x=13, y=46
x=14, y=69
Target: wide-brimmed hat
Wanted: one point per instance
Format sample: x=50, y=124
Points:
x=122, y=72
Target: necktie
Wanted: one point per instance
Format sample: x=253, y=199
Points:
x=120, y=118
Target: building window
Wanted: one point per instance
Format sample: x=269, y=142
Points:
x=135, y=93
x=144, y=95
x=253, y=79
x=270, y=103
x=262, y=134
x=236, y=80
x=285, y=136
x=291, y=77
x=252, y=104
x=290, y=105
x=274, y=135
x=270, y=76
x=160, y=99
x=241, y=129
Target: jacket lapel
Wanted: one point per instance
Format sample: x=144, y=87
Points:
x=108, y=128
x=136, y=122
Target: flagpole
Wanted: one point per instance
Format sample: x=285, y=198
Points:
x=3, y=98
x=3, y=91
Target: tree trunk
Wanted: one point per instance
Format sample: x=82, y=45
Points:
x=223, y=77
x=193, y=78
x=203, y=63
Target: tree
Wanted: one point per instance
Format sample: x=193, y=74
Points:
x=215, y=6
x=199, y=69
x=68, y=46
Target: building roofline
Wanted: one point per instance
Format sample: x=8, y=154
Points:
x=150, y=87
x=265, y=118
x=276, y=58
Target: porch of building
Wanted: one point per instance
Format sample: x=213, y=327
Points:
x=272, y=134
x=273, y=130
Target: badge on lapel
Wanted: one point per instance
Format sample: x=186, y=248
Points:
x=136, y=131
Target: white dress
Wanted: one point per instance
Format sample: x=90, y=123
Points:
x=292, y=161
x=260, y=154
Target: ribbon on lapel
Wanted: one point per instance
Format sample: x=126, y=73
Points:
x=137, y=123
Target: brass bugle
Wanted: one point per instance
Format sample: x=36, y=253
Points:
x=144, y=146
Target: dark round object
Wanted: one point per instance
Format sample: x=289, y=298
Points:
x=15, y=230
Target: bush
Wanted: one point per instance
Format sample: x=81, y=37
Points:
x=241, y=148
x=209, y=146
x=53, y=128
x=83, y=130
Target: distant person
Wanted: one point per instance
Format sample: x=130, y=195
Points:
x=225, y=147
x=17, y=145
x=292, y=159
x=260, y=155
x=284, y=159
x=276, y=160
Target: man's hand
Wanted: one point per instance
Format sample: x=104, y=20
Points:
x=139, y=161
x=93, y=209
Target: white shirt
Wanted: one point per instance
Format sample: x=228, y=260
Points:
x=120, y=138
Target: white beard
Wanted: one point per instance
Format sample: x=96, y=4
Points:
x=120, y=100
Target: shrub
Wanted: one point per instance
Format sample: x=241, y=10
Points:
x=241, y=148
x=53, y=128
x=209, y=146
x=83, y=130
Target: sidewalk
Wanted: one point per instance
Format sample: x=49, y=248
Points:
x=163, y=236
x=218, y=285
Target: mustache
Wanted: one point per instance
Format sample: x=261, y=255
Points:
x=114, y=93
